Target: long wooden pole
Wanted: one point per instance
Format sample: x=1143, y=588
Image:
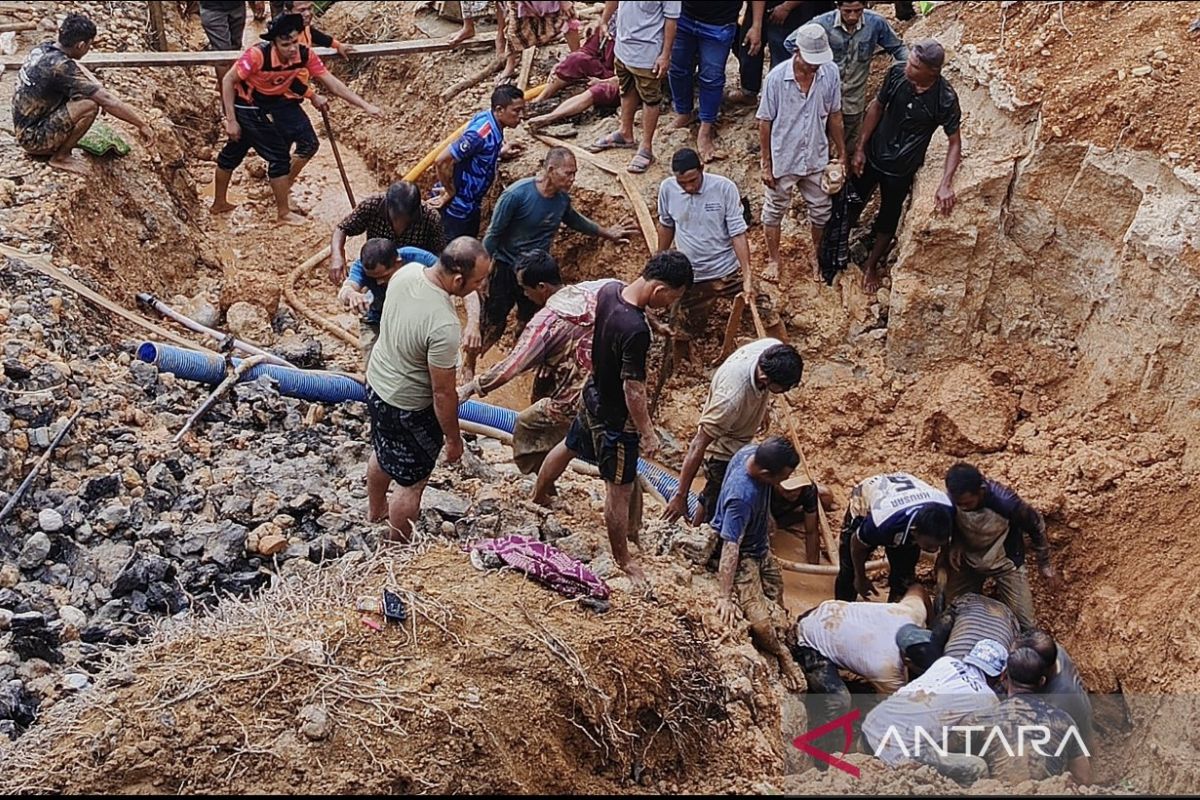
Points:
x=338, y=157
x=159, y=25
x=216, y=58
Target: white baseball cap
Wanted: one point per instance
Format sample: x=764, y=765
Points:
x=813, y=44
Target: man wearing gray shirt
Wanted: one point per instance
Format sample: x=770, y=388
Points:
x=641, y=57
x=701, y=214
x=801, y=102
x=855, y=36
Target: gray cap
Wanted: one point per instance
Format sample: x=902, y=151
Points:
x=813, y=44
x=989, y=655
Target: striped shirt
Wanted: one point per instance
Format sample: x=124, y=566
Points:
x=972, y=617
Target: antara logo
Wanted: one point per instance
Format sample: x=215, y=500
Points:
x=1037, y=739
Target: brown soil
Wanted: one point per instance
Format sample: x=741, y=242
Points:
x=1036, y=332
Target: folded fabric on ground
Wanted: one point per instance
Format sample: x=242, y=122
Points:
x=544, y=563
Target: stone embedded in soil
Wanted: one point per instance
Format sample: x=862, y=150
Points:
x=451, y=506
x=50, y=520
x=250, y=323
x=36, y=550
x=314, y=722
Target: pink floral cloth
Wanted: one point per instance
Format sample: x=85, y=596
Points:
x=546, y=564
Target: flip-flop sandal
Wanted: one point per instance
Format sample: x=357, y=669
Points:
x=640, y=163
x=608, y=142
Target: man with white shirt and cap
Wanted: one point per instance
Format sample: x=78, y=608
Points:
x=902, y=727
x=799, y=119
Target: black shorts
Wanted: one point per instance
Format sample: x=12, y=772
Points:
x=615, y=452
x=503, y=292
x=271, y=134
x=454, y=227
x=406, y=443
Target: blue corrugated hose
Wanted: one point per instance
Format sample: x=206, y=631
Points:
x=330, y=387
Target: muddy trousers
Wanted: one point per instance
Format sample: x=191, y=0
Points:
x=902, y=565
x=827, y=697
x=1012, y=589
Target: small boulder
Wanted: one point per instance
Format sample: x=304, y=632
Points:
x=314, y=722
x=249, y=322
x=36, y=550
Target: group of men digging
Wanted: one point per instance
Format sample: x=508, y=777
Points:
x=588, y=343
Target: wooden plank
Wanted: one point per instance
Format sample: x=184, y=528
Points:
x=527, y=56
x=43, y=265
x=9, y=27
x=580, y=153
x=649, y=229
x=156, y=21
x=211, y=58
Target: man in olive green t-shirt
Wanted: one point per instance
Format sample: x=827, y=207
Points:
x=411, y=390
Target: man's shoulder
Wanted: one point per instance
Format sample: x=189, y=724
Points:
x=826, y=19
x=719, y=184
x=946, y=92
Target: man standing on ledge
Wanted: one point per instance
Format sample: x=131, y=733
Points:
x=410, y=380
x=912, y=103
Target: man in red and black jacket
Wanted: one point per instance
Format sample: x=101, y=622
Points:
x=262, y=96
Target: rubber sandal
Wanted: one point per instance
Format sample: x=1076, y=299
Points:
x=640, y=163
x=608, y=142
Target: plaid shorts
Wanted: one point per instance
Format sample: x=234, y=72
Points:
x=407, y=443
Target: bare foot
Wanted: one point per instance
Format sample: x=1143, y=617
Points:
x=682, y=121
x=221, y=207
x=871, y=281
x=771, y=271
x=462, y=35
x=816, y=274
x=706, y=142
x=71, y=163
x=291, y=218
x=375, y=515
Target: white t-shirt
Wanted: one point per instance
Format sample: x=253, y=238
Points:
x=949, y=692
x=861, y=637
x=735, y=407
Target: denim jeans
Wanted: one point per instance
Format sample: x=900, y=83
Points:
x=710, y=45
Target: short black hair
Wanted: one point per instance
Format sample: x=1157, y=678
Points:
x=377, y=252
x=1026, y=667
x=670, y=267
x=847, y=2
x=1042, y=643
x=963, y=478
x=76, y=28
x=934, y=520
x=922, y=655
x=284, y=24
x=461, y=254
x=782, y=365
x=505, y=95
x=685, y=160
x=537, y=266
x=776, y=455
x=403, y=199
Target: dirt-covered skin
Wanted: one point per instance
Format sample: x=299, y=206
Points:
x=1040, y=331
